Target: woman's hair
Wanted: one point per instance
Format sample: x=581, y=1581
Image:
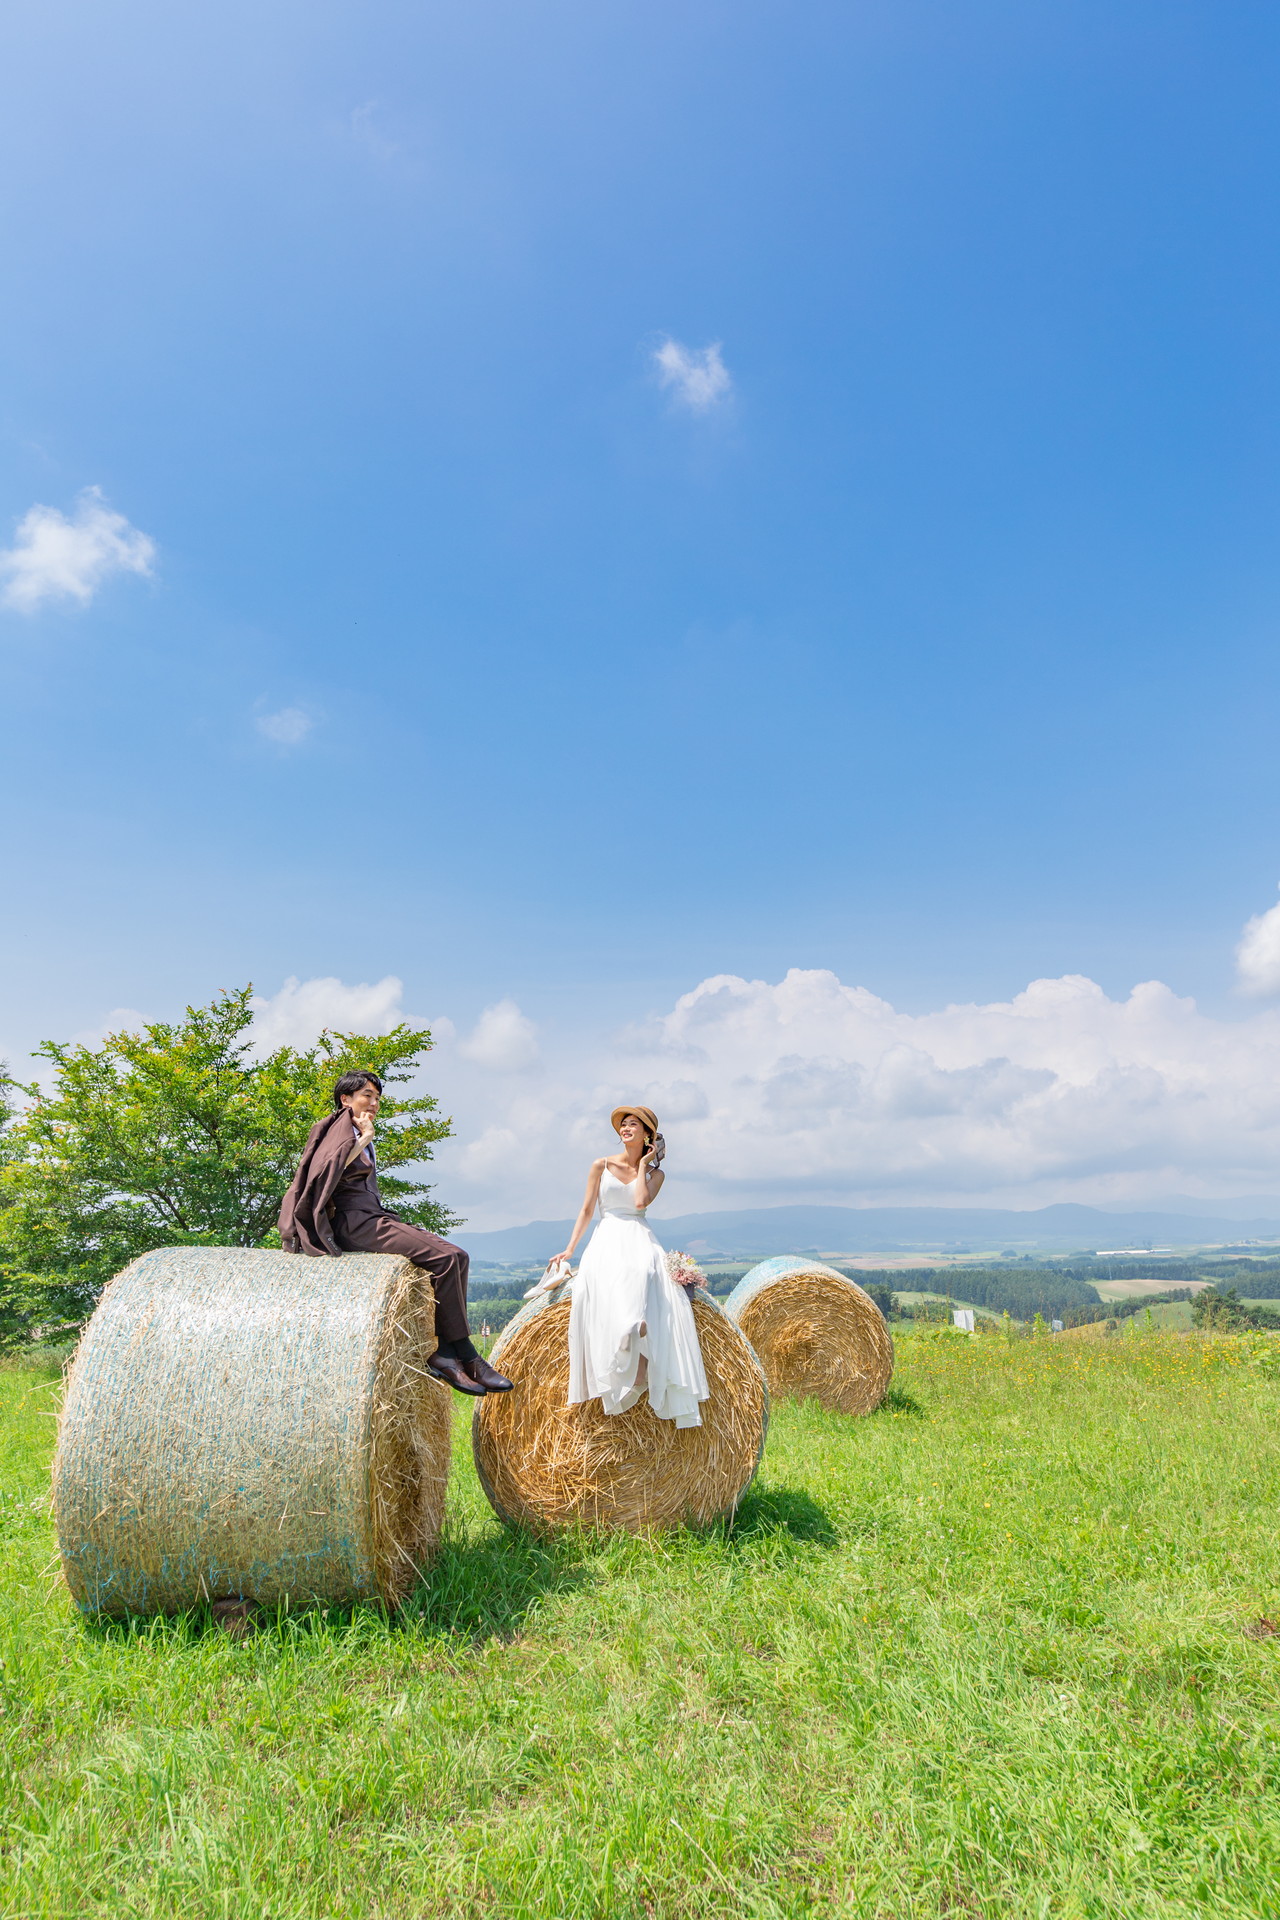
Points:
x=352, y=1083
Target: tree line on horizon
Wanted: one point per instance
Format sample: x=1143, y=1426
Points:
x=1055, y=1294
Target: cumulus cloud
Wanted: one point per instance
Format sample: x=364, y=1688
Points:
x=1258, y=955
x=489, y=1158
x=809, y=1089
x=697, y=376
x=56, y=557
x=502, y=1040
x=303, y=1008
x=287, y=728
x=816, y=1087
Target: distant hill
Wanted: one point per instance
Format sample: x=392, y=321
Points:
x=757, y=1233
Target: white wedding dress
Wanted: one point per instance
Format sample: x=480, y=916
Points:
x=626, y=1305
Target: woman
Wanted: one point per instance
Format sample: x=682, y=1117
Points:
x=631, y=1328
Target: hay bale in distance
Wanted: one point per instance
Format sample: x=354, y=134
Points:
x=547, y=1465
x=243, y=1423
x=818, y=1335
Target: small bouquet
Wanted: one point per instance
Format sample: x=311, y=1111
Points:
x=684, y=1270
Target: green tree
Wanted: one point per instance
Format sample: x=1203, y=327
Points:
x=6, y=1120
x=179, y=1136
x=20, y=1301
x=880, y=1294
x=1225, y=1312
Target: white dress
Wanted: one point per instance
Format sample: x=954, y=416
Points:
x=622, y=1287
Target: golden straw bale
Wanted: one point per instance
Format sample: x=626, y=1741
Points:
x=818, y=1335
x=247, y=1424
x=550, y=1465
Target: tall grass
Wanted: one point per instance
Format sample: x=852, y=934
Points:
x=1001, y=1648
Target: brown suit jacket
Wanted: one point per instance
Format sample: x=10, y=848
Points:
x=325, y=1191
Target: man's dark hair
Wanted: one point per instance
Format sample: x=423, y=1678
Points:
x=352, y=1083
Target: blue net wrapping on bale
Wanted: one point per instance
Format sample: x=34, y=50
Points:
x=241, y=1423
x=547, y=1465
x=818, y=1335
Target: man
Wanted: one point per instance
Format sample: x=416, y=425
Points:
x=334, y=1207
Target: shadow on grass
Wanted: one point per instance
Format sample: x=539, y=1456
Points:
x=899, y=1401
x=473, y=1591
x=773, y=1511
x=260, y=1627
x=486, y=1589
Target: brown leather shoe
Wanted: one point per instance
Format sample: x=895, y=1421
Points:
x=453, y=1373
x=491, y=1381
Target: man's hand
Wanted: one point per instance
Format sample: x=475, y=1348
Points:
x=364, y=1125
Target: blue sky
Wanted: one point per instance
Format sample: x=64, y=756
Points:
x=936, y=650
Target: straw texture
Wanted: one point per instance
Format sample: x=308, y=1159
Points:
x=818, y=1335
x=549, y=1465
x=246, y=1423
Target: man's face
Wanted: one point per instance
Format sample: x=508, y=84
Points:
x=367, y=1101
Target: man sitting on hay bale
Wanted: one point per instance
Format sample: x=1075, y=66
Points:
x=334, y=1207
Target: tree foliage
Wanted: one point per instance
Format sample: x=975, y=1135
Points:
x=878, y=1291
x=181, y=1136
x=23, y=1302
x=1254, y=1280
x=1225, y=1312
x=1020, y=1291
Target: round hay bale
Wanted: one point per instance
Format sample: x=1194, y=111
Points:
x=546, y=1464
x=248, y=1424
x=818, y=1335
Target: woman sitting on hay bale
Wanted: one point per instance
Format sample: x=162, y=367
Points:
x=334, y=1206
x=631, y=1327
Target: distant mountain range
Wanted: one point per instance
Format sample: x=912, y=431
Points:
x=757, y=1233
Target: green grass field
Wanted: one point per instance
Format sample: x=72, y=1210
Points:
x=1000, y=1648
x=1167, y=1316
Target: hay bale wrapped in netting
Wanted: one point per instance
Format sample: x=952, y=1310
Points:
x=547, y=1464
x=246, y=1423
x=818, y=1335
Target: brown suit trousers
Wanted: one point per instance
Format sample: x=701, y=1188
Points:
x=361, y=1224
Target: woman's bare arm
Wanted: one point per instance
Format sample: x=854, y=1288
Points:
x=648, y=1183
x=588, y=1208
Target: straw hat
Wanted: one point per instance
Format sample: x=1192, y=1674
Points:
x=645, y=1115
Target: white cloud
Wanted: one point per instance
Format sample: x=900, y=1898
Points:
x=302, y=1008
x=44, y=1073
x=491, y=1155
x=697, y=375
x=675, y=1099
x=119, y=1020
x=56, y=558
x=371, y=129
x=287, y=727
x=818, y=1088
x=1258, y=955
x=808, y=1089
x=502, y=1040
